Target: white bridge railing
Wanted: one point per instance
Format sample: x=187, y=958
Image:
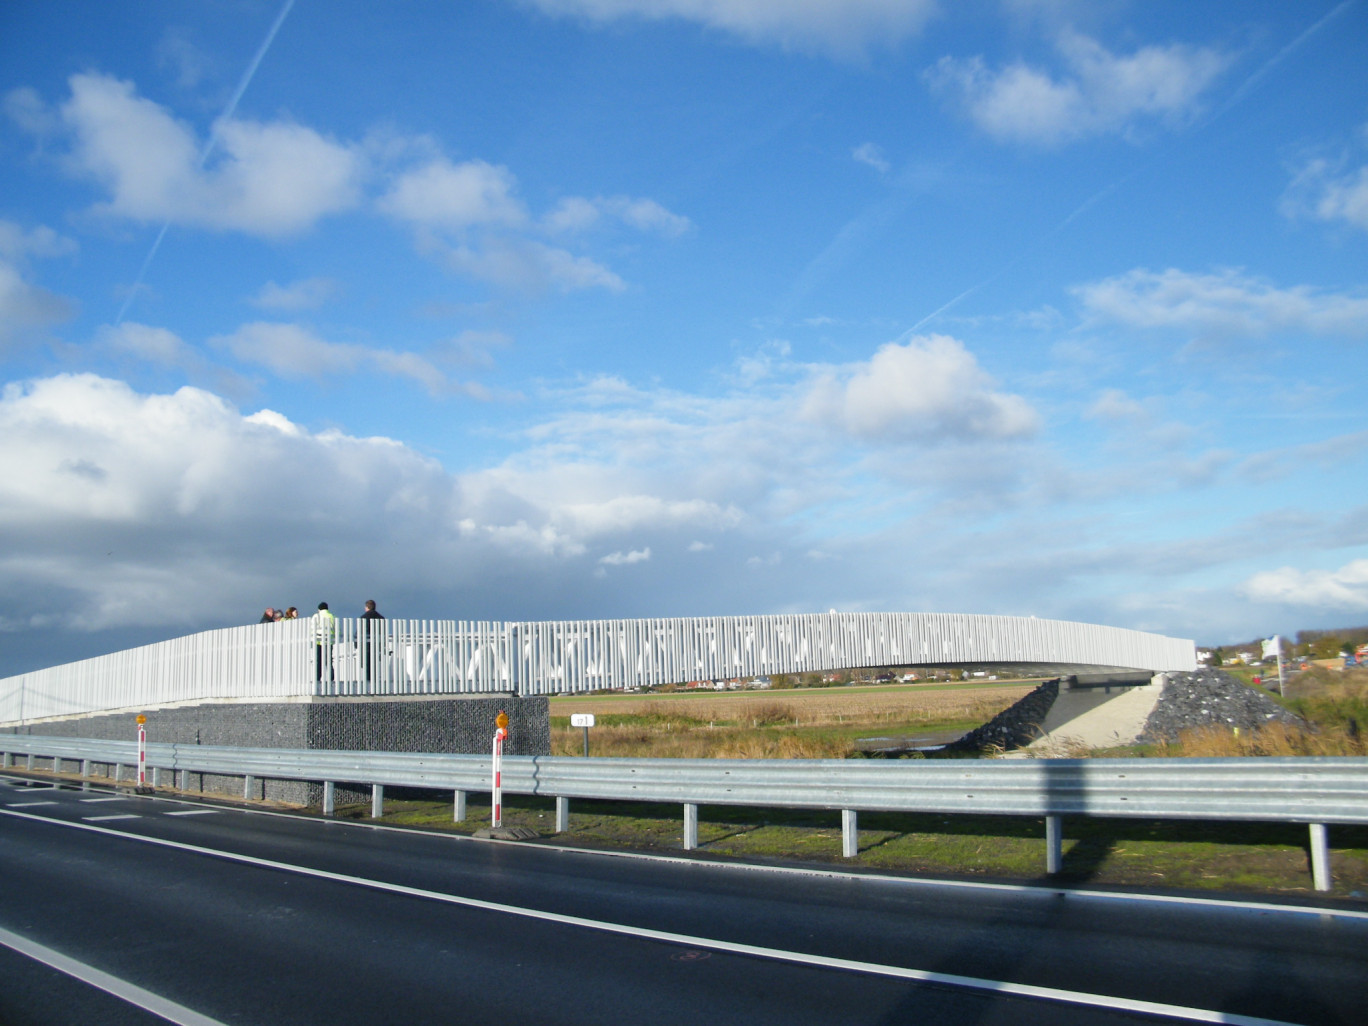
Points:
x=411, y=657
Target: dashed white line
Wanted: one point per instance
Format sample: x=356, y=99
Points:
x=194, y=812
x=106, y=819
x=92, y=801
x=25, y=805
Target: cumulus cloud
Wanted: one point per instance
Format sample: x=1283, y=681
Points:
x=576, y=214
x=471, y=216
x=844, y=28
x=1326, y=190
x=1345, y=588
x=28, y=309
x=1223, y=303
x=1097, y=93
x=292, y=351
x=305, y=294
x=270, y=179
x=930, y=387
x=625, y=558
x=869, y=153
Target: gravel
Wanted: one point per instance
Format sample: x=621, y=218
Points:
x=1207, y=698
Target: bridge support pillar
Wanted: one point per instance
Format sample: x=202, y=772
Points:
x=1054, y=844
x=1320, y=857
x=690, y=827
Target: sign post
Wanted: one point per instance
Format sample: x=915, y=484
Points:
x=496, y=790
x=585, y=720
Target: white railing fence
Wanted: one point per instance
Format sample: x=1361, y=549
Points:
x=412, y=657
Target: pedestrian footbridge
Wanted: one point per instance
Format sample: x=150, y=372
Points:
x=289, y=660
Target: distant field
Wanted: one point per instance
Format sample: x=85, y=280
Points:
x=791, y=723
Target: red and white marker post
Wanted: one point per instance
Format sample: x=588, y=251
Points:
x=142, y=750
x=496, y=791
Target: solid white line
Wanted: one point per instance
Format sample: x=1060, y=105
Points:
x=777, y=954
x=122, y=989
x=26, y=805
x=105, y=819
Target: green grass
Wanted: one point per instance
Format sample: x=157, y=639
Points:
x=1258, y=858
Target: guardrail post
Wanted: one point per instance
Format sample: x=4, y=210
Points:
x=850, y=834
x=30, y=763
x=85, y=774
x=1054, y=845
x=377, y=800
x=247, y=783
x=690, y=826
x=458, y=809
x=1320, y=857
x=329, y=794
x=156, y=776
x=9, y=760
x=562, y=815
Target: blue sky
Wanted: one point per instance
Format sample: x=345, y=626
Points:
x=542, y=309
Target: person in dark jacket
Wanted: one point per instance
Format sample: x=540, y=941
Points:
x=369, y=638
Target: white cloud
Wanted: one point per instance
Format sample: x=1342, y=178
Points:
x=268, y=179
x=1323, y=189
x=1114, y=405
x=27, y=309
x=305, y=294
x=1345, y=588
x=292, y=351
x=1226, y=302
x=577, y=214
x=871, y=154
x=844, y=28
x=455, y=197
x=154, y=345
x=1100, y=92
x=626, y=558
x=929, y=388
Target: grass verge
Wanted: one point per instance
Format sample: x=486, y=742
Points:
x=1246, y=858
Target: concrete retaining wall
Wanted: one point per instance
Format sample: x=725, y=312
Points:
x=461, y=724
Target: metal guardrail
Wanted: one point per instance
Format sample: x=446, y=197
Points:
x=1314, y=791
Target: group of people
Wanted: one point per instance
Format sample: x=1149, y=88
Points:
x=325, y=633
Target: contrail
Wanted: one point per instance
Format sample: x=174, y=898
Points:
x=209, y=144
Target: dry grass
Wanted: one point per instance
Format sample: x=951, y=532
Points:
x=1273, y=739
x=816, y=724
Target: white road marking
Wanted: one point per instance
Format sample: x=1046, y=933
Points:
x=106, y=819
x=26, y=805
x=91, y=801
x=194, y=812
x=122, y=989
x=1072, y=997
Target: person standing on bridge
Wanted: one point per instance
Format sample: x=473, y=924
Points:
x=325, y=633
x=369, y=638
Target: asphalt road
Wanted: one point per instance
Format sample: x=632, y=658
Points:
x=124, y=909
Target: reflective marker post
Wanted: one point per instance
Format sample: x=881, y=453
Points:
x=496, y=790
x=142, y=750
